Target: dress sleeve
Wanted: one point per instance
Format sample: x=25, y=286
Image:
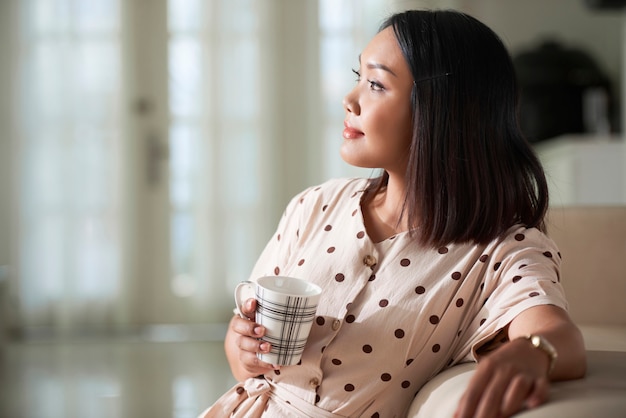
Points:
x=524, y=271
x=277, y=252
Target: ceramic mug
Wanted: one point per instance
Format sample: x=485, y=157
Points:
x=286, y=307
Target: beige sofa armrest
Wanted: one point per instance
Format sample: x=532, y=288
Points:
x=601, y=394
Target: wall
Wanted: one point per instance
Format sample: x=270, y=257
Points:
x=524, y=24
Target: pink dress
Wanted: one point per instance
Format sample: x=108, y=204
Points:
x=393, y=314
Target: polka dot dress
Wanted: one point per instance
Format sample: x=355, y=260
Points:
x=393, y=314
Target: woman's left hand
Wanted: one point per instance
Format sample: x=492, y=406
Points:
x=507, y=380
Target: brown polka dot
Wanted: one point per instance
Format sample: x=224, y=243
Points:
x=533, y=294
x=375, y=415
x=328, y=227
x=320, y=320
x=405, y=384
x=349, y=387
x=336, y=362
x=517, y=279
x=409, y=361
x=559, y=254
x=548, y=254
x=399, y=333
x=456, y=275
x=383, y=303
x=372, y=278
x=324, y=208
x=350, y=319
x=301, y=262
x=278, y=237
x=405, y=262
x=482, y=285
x=360, y=234
x=317, y=188
x=317, y=398
x=482, y=321
x=434, y=319
x=420, y=290
x=298, y=233
x=522, y=266
x=519, y=237
x=301, y=199
x=385, y=377
x=443, y=250
x=367, y=348
x=330, y=250
x=496, y=266
x=355, y=212
x=483, y=258
x=354, y=195
x=277, y=372
x=240, y=390
x=436, y=348
x=459, y=302
x=276, y=270
x=339, y=277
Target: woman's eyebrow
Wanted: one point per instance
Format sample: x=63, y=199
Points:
x=378, y=66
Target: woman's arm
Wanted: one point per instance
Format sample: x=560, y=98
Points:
x=515, y=376
x=555, y=325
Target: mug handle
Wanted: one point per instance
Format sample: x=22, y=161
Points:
x=243, y=292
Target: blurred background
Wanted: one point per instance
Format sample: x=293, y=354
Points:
x=148, y=148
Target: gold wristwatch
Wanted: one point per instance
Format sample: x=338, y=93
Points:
x=544, y=345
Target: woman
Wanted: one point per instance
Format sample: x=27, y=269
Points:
x=443, y=259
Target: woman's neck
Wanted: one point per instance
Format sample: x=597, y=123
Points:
x=383, y=214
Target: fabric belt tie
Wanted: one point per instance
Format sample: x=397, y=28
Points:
x=256, y=386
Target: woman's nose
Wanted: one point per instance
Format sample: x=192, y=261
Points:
x=351, y=104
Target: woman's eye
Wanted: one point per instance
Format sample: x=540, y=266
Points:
x=375, y=85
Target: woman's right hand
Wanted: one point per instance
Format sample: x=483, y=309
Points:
x=242, y=344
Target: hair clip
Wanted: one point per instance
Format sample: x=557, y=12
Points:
x=433, y=77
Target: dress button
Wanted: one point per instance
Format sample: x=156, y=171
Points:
x=336, y=324
x=315, y=382
x=369, y=260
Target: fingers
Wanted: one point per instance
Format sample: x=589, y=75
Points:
x=500, y=394
x=540, y=393
x=517, y=393
x=246, y=339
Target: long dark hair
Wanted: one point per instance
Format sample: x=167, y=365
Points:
x=471, y=173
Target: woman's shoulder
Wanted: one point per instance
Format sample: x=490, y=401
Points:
x=333, y=188
x=520, y=238
x=327, y=196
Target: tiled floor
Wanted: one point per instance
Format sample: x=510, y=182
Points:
x=110, y=378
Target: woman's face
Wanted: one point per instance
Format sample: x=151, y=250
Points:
x=378, y=121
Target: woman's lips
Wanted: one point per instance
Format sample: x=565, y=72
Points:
x=351, y=133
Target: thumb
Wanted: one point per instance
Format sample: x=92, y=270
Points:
x=249, y=308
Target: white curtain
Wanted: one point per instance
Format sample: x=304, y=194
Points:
x=250, y=114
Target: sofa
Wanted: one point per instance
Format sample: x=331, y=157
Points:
x=592, y=241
